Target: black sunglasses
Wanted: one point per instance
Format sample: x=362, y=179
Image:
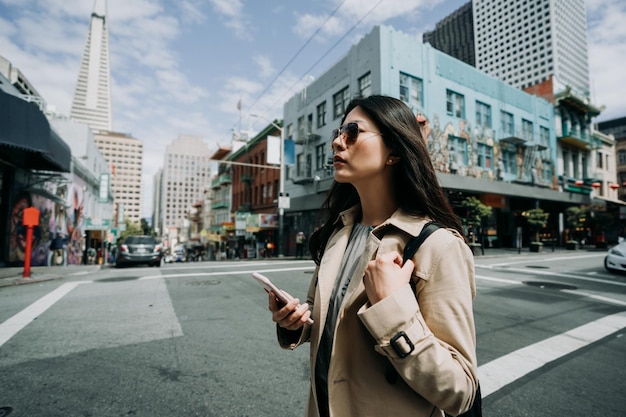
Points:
x=351, y=132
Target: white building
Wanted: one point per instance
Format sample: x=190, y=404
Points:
x=124, y=155
x=523, y=42
x=186, y=175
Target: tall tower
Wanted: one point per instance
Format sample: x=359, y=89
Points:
x=524, y=42
x=92, y=97
x=454, y=35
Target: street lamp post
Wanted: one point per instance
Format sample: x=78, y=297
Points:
x=281, y=185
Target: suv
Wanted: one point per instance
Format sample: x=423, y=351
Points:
x=139, y=250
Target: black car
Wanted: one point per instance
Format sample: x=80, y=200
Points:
x=139, y=250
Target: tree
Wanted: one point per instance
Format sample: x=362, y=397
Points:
x=537, y=219
x=476, y=212
x=576, y=219
x=132, y=229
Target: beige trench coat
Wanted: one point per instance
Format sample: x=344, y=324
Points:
x=367, y=376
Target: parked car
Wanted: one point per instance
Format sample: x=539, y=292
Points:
x=615, y=260
x=137, y=250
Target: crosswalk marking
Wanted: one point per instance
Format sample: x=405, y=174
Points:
x=16, y=323
x=509, y=368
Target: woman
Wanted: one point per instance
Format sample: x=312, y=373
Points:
x=376, y=351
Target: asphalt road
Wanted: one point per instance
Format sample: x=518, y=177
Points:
x=196, y=339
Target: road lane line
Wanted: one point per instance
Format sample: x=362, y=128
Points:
x=500, y=280
x=206, y=274
x=10, y=327
x=537, y=260
x=595, y=297
x=561, y=275
x=507, y=369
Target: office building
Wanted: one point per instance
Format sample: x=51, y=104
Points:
x=124, y=155
x=186, y=176
x=521, y=42
x=454, y=35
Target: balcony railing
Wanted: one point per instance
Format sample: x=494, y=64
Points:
x=220, y=204
x=577, y=137
x=221, y=180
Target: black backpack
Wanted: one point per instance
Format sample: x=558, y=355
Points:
x=409, y=250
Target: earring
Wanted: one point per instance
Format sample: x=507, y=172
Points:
x=390, y=161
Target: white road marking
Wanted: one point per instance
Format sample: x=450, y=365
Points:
x=561, y=275
x=16, y=323
x=505, y=370
x=205, y=274
x=537, y=260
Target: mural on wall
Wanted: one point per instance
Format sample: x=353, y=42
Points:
x=463, y=150
x=58, y=240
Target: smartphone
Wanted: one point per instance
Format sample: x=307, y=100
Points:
x=269, y=286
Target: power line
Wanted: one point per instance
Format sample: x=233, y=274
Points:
x=296, y=55
x=327, y=52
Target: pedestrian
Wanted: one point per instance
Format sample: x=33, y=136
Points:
x=300, y=238
x=378, y=346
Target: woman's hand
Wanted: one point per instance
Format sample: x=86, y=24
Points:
x=290, y=316
x=385, y=274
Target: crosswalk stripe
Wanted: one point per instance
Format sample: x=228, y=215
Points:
x=16, y=323
x=505, y=370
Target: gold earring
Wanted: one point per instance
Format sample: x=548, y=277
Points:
x=390, y=161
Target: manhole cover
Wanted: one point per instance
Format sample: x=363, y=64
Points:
x=550, y=285
x=210, y=282
x=116, y=279
x=5, y=411
x=537, y=266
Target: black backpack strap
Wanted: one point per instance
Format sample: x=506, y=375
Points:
x=415, y=242
x=409, y=251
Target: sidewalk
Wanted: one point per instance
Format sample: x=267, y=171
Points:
x=13, y=275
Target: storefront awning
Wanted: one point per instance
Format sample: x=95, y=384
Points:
x=26, y=139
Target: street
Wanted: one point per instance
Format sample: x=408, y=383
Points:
x=196, y=339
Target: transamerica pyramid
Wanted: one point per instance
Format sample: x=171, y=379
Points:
x=92, y=96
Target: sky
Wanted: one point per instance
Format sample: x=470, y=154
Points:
x=182, y=66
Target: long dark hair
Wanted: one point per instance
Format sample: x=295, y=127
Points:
x=417, y=190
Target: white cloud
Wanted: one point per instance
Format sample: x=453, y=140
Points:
x=266, y=69
x=363, y=13
x=232, y=12
x=607, y=50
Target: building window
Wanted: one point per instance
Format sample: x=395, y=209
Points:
x=483, y=114
x=289, y=131
x=457, y=148
x=544, y=136
x=321, y=114
x=320, y=157
x=527, y=130
x=411, y=91
x=621, y=157
x=300, y=128
x=485, y=156
x=509, y=159
x=365, y=85
x=599, y=160
x=507, y=125
x=455, y=104
x=340, y=103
